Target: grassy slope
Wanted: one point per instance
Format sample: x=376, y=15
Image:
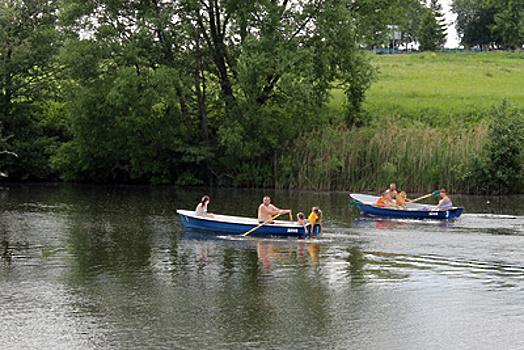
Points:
x=445, y=87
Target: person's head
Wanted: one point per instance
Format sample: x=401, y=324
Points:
x=393, y=186
x=402, y=194
x=301, y=216
x=266, y=200
x=443, y=192
x=205, y=200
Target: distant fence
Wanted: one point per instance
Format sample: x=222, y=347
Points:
x=444, y=50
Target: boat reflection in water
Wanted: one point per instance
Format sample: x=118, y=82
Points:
x=269, y=252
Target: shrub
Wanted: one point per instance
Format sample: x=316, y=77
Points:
x=498, y=169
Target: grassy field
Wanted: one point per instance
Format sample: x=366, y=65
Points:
x=440, y=88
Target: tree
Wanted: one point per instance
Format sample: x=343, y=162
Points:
x=410, y=24
x=244, y=77
x=374, y=19
x=499, y=170
x=431, y=32
x=489, y=23
x=3, y=141
x=29, y=42
x=508, y=29
x=440, y=30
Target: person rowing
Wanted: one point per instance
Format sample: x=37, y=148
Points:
x=266, y=210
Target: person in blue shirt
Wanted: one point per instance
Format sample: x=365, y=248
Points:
x=445, y=203
x=302, y=221
x=201, y=209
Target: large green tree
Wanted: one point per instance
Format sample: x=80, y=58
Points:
x=231, y=80
x=29, y=42
x=508, y=29
x=490, y=23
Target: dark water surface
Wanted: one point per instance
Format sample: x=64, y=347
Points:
x=93, y=267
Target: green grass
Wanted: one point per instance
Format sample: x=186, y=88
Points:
x=445, y=87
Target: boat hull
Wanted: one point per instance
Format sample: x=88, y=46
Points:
x=240, y=225
x=412, y=211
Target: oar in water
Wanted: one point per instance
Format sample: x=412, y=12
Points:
x=434, y=193
x=262, y=224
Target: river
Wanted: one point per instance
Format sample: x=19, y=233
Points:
x=101, y=267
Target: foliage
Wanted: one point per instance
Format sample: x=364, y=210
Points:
x=417, y=157
x=431, y=32
x=3, y=150
x=245, y=78
x=236, y=93
x=28, y=73
x=488, y=23
x=499, y=169
x=373, y=20
x=126, y=130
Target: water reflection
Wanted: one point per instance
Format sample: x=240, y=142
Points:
x=270, y=253
x=391, y=224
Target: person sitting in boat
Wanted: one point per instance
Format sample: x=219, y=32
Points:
x=315, y=218
x=201, y=209
x=387, y=199
x=303, y=222
x=445, y=203
x=401, y=200
x=391, y=193
x=266, y=210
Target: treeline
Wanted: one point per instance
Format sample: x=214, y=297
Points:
x=222, y=93
x=490, y=24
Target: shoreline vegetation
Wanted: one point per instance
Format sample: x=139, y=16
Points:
x=431, y=123
x=418, y=158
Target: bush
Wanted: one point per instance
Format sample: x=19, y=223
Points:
x=498, y=170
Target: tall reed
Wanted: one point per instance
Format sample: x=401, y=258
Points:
x=417, y=157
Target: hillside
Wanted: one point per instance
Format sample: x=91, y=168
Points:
x=443, y=87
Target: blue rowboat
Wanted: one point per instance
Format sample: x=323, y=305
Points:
x=367, y=206
x=240, y=225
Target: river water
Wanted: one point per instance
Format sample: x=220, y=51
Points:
x=99, y=267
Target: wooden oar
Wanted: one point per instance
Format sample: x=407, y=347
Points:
x=262, y=224
x=434, y=193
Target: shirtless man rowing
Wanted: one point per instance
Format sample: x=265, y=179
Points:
x=266, y=210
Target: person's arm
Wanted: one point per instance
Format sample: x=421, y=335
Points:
x=276, y=210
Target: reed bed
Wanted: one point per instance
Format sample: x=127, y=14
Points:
x=418, y=158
